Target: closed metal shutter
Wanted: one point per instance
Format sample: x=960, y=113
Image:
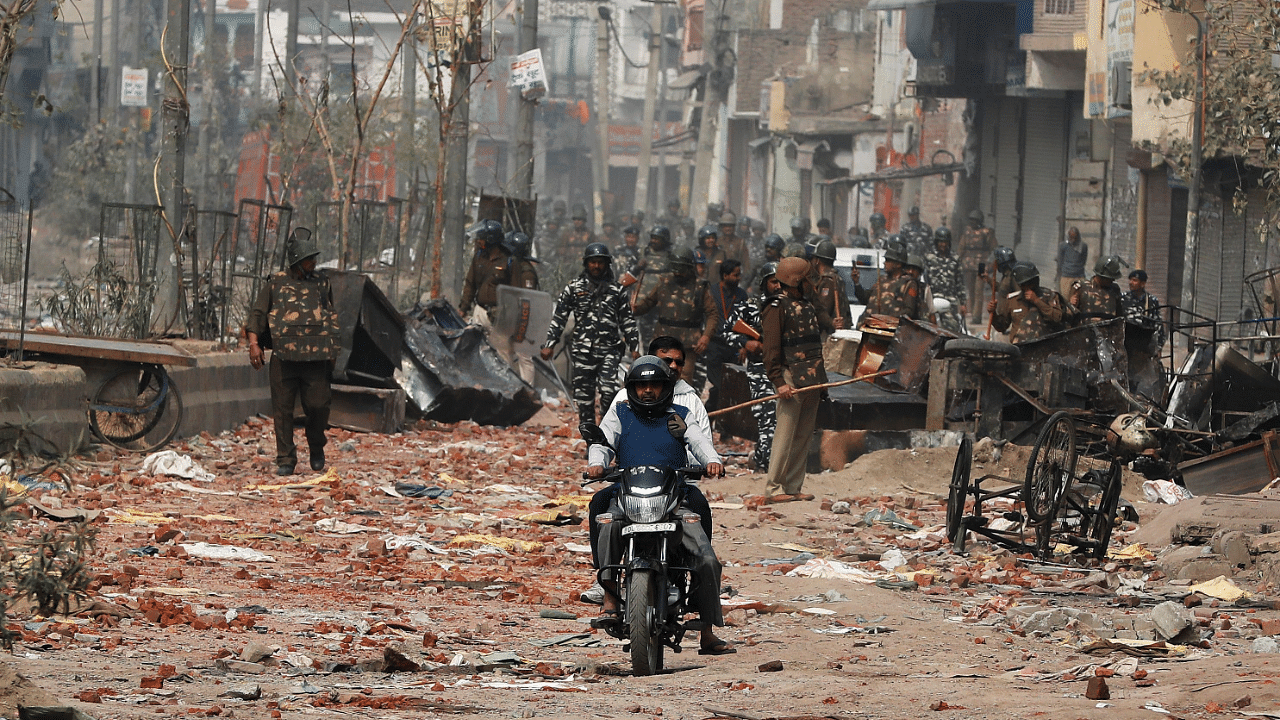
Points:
x=1208, y=277
x=1235, y=231
x=1044, y=171
x=1001, y=167
x=1157, y=260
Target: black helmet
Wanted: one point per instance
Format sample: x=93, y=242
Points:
x=490, y=231
x=661, y=232
x=826, y=250
x=895, y=250
x=1108, y=267
x=684, y=256
x=518, y=244
x=775, y=242
x=800, y=223
x=767, y=271
x=942, y=234
x=1005, y=258
x=648, y=368
x=708, y=231
x=631, y=230
x=596, y=250
x=1024, y=272
x=977, y=215
x=877, y=219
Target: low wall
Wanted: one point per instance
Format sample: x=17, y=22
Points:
x=218, y=393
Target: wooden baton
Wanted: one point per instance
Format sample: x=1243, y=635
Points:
x=757, y=401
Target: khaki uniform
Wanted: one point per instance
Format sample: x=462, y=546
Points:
x=714, y=259
x=1097, y=303
x=524, y=274
x=488, y=270
x=829, y=295
x=896, y=297
x=791, y=335
x=685, y=311
x=975, y=247
x=1026, y=320
x=575, y=241
x=295, y=316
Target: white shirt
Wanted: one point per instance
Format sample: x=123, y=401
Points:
x=697, y=443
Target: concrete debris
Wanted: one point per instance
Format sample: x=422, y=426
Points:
x=1266, y=645
x=1171, y=618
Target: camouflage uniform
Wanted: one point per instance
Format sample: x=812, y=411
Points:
x=489, y=269
x=685, y=311
x=829, y=295
x=625, y=259
x=296, y=313
x=523, y=274
x=1142, y=314
x=603, y=328
x=654, y=268
x=1098, y=303
x=918, y=236
x=947, y=281
x=575, y=241
x=765, y=412
x=735, y=248
x=895, y=297
x=1024, y=320
x=791, y=335
x=975, y=247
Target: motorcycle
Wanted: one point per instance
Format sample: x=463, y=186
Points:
x=655, y=580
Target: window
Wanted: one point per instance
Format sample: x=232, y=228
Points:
x=1059, y=7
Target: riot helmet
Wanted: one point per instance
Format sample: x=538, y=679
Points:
x=518, y=244
x=877, y=221
x=895, y=250
x=1005, y=258
x=684, y=260
x=826, y=250
x=300, y=246
x=708, y=231
x=1025, y=272
x=768, y=270
x=1108, y=267
x=775, y=242
x=942, y=234
x=596, y=250
x=662, y=233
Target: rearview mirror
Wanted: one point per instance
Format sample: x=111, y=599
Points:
x=592, y=433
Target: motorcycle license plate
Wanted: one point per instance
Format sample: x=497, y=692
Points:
x=649, y=527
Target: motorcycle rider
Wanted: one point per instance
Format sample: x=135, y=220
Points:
x=650, y=429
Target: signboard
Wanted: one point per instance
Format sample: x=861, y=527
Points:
x=449, y=21
x=528, y=74
x=133, y=87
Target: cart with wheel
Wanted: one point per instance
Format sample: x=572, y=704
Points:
x=1068, y=496
x=135, y=404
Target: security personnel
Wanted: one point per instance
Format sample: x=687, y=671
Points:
x=791, y=330
x=685, y=310
x=1100, y=298
x=1004, y=259
x=520, y=248
x=726, y=296
x=293, y=316
x=490, y=267
x=653, y=267
x=579, y=235
x=674, y=218
x=917, y=234
x=1031, y=312
x=712, y=254
x=799, y=230
x=947, y=280
x=976, y=244
x=751, y=355
x=773, y=247
x=603, y=329
x=879, y=231
x=828, y=288
x=895, y=293
x=628, y=251
x=732, y=244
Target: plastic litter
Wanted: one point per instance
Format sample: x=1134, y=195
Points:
x=1165, y=491
x=225, y=552
x=172, y=464
x=413, y=490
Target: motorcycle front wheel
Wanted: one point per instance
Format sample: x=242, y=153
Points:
x=646, y=646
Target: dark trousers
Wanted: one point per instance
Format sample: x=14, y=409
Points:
x=718, y=354
x=290, y=381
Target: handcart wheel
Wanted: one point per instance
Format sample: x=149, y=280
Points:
x=1050, y=468
x=1100, y=525
x=137, y=409
x=959, y=488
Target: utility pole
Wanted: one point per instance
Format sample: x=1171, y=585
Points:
x=177, y=115
x=602, y=113
x=661, y=184
x=453, y=238
x=95, y=96
x=650, y=100
x=699, y=195
x=523, y=177
x=406, y=157
x=212, y=59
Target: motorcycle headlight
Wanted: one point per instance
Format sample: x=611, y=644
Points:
x=644, y=509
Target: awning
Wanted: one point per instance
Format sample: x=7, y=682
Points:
x=687, y=79
x=805, y=151
x=896, y=4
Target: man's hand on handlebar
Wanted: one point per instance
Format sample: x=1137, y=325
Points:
x=595, y=472
x=715, y=470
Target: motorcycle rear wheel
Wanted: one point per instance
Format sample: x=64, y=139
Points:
x=646, y=645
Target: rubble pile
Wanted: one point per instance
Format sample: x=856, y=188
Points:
x=439, y=571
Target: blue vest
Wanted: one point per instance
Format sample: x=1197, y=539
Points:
x=648, y=442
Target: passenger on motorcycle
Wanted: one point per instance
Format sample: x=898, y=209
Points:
x=649, y=429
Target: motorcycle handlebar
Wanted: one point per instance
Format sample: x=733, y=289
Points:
x=693, y=471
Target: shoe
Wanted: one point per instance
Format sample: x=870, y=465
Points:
x=774, y=499
x=724, y=647
x=317, y=460
x=803, y=496
x=607, y=620
x=593, y=595
x=284, y=470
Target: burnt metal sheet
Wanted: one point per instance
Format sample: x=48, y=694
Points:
x=914, y=347
x=1218, y=379
x=1097, y=349
x=371, y=331
x=453, y=374
x=99, y=348
x=1242, y=469
x=366, y=409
